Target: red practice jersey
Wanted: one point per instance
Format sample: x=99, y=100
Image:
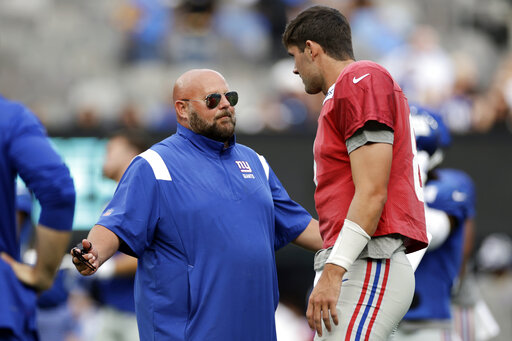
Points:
x=364, y=92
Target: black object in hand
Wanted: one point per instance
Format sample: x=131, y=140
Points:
x=78, y=252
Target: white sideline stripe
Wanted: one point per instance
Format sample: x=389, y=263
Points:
x=265, y=165
x=157, y=164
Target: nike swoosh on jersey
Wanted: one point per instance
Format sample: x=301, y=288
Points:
x=356, y=80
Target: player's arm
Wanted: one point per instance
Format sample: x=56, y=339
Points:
x=100, y=245
x=310, y=238
x=47, y=176
x=370, y=167
x=125, y=265
x=370, y=152
x=51, y=245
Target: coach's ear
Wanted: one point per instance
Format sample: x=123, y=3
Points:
x=181, y=108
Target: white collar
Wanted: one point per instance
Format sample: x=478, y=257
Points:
x=330, y=93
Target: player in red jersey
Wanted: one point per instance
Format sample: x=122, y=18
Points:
x=369, y=197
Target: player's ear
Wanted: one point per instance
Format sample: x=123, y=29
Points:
x=312, y=49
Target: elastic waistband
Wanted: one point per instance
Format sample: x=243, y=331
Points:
x=322, y=255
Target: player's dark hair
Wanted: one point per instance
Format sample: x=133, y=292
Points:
x=323, y=25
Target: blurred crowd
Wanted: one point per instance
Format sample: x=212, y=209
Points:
x=97, y=65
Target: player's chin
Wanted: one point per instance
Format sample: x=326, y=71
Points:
x=312, y=90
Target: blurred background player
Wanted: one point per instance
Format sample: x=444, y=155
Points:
x=113, y=284
x=26, y=152
x=111, y=287
x=450, y=202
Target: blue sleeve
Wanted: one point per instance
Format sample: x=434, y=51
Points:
x=291, y=219
x=42, y=170
x=132, y=214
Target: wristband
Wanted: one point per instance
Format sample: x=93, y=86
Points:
x=349, y=245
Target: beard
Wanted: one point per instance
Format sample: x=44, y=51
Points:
x=219, y=132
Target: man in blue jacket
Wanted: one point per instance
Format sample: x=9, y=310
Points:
x=203, y=215
x=26, y=151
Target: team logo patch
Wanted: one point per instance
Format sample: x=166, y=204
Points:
x=245, y=168
x=108, y=212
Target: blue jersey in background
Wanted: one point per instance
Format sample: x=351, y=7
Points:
x=453, y=192
x=26, y=151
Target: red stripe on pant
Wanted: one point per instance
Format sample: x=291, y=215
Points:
x=361, y=300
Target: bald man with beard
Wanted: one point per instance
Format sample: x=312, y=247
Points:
x=204, y=216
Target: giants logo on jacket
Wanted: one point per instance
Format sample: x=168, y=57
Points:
x=245, y=168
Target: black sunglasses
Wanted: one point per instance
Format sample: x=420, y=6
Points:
x=212, y=100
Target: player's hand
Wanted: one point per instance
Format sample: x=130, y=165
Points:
x=27, y=274
x=323, y=299
x=85, y=260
